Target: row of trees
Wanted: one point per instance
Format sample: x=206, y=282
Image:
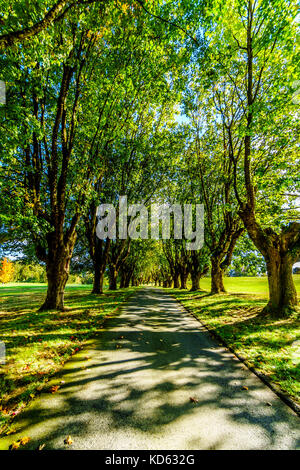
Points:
x=241, y=148
x=93, y=98
x=88, y=107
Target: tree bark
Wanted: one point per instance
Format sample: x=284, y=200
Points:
x=113, y=274
x=183, y=280
x=57, y=268
x=122, y=280
x=217, y=283
x=176, y=280
x=282, y=291
x=280, y=251
x=195, y=281
x=98, y=280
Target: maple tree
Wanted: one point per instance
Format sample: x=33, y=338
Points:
x=6, y=271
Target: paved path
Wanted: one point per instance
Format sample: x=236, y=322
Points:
x=134, y=390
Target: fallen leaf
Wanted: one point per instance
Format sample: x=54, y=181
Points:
x=68, y=441
x=15, y=445
x=194, y=400
x=54, y=388
x=244, y=388
x=10, y=431
x=24, y=441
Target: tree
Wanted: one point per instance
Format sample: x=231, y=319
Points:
x=6, y=271
x=261, y=127
x=198, y=267
x=210, y=174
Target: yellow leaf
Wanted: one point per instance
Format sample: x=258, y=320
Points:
x=15, y=445
x=24, y=441
x=68, y=441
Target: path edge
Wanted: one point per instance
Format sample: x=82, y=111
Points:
x=283, y=396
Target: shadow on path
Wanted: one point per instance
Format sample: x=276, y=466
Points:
x=134, y=389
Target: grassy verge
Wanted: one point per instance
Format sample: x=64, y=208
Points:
x=271, y=346
x=39, y=343
x=248, y=285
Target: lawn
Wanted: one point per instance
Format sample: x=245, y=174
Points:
x=245, y=285
x=271, y=346
x=39, y=343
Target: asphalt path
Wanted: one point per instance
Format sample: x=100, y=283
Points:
x=155, y=379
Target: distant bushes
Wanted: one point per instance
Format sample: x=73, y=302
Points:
x=75, y=279
x=29, y=272
x=16, y=271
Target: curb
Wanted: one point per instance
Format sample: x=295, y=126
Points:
x=283, y=396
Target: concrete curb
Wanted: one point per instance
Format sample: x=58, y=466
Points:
x=283, y=396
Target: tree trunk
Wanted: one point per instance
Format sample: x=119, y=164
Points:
x=113, y=274
x=125, y=279
x=282, y=291
x=195, y=281
x=122, y=280
x=127, y=282
x=217, y=284
x=280, y=251
x=57, y=268
x=176, y=280
x=57, y=279
x=98, y=281
x=183, y=280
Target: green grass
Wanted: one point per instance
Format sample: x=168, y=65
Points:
x=271, y=346
x=251, y=285
x=39, y=343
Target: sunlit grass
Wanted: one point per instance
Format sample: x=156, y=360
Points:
x=38, y=343
x=251, y=285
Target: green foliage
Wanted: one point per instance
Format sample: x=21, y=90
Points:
x=29, y=273
x=247, y=261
